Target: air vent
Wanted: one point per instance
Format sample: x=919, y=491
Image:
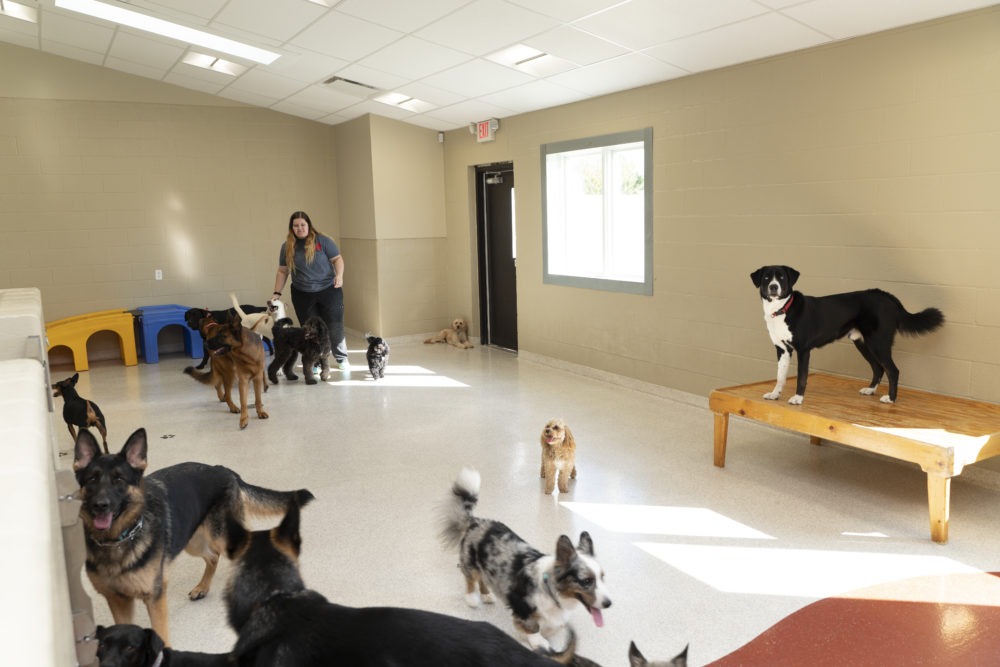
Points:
x=350, y=87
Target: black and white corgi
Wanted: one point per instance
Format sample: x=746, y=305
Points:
x=799, y=323
x=541, y=590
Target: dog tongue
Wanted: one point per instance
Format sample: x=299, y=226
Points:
x=103, y=522
x=598, y=618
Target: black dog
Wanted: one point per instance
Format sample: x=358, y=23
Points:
x=136, y=524
x=127, y=645
x=799, y=323
x=281, y=623
x=378, y=355
x=196, y=317
x=311, y=340
x=78, y=411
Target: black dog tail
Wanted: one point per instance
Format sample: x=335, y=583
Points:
x=457, y=511
x=925, y=321
x=258, y=501
x=204, y=378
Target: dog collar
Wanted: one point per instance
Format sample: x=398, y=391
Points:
x=548, y=589
x=784, y=309
x=126, y=535
x=159, y=659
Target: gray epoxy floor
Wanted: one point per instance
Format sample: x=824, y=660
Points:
x=693, y=553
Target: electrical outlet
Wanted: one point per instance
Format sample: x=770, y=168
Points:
x=159, y=274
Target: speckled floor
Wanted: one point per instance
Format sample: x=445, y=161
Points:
x=694, y=554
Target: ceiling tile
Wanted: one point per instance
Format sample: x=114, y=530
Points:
x=533, y=96
x=430, y=94
x=402, y=15
x=144, y=51
x=343, y=36
x=74, y=32
x=622, y=73
x=248, y=97
x=181, y=9
x=196, y=83
x=280, y=21
x=849, y=18
x=323, y=97
x=640, y=24
x=263, y=82
x=372, y=77
x=566, y=10
x=308, y=67
x=485, y=26
x=471, y=111
x=22, y=29
x=73, y=52
x=575, y=45
x=132, y=67
x=294, y=109
x=20, y=36
x=477, y=77
x=414, y=58
x=759, y=37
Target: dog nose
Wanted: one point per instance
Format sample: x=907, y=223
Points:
x=606, y=604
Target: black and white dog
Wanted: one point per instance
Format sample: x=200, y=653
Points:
x=799, y=323
x=540, y=589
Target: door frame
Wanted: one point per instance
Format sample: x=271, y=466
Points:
x=482, y=250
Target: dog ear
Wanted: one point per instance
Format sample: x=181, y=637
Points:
x=73, y=380
x=153, y=645
x=756, y=276
x=565, y=553
x=287, y=531
x=570, y=440
x=793, y=275
x=586, y=544
x=85, y=450
x=635, y=658
x=135, y=449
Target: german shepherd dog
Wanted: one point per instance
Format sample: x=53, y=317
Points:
x=128, y=645
x=281, y=623
x=540, y=590
x=136, y=525
x=312, y=340
x=799, y=323
x=244, y=352
x=78, y=411
x=194, y=317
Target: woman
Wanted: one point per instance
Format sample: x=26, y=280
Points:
x=317, y=269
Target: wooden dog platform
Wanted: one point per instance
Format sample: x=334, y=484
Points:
x=941, y=434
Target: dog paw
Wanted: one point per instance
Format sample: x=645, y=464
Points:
x=489, y=598
x=886, y=399
x=472, y=599
x=262, y=415
x=243, y=422
x=867, y=391
x=311, y=380
x=537, y=642
x=796, y=399
x=772, y=395
x=197, y=593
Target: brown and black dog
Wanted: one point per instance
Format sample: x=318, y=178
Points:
x=78, y=411
x=135, y=524
x=128, y=645
x=237, y=353
x=196, y=317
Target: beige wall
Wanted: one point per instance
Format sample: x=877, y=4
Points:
x=95, y=194
x=873, y=162
x=392, y=213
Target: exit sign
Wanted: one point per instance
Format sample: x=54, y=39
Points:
x=486, y=129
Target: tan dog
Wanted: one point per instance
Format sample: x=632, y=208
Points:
x=261, y=323
x=457, y=335
x=558, y=455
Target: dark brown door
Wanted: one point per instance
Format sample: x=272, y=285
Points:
x=497, y=255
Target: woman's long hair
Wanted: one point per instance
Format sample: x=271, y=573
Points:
x=309, y=241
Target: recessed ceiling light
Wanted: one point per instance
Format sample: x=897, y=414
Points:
x=214, y=63
x=404, y=101
x=530, y=60
x=132, y=19
x=18, y=11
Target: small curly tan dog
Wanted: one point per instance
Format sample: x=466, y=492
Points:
x=558, y=455
x=457, y=335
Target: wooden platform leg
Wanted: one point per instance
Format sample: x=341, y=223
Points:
x=721, y=433
x=939, y=504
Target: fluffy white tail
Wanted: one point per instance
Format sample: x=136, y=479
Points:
x=236, y=305
x=457, y=511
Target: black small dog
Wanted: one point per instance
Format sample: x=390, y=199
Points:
x=127, y=645
x=78, y=411
x=311, y=340
x=378, y=355
x=195, y=318
x=281, y=623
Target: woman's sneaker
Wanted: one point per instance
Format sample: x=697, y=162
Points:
x=344, y=365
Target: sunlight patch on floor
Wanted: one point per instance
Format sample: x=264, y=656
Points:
x=810, y=573
x=663, y=520
x=395, y=376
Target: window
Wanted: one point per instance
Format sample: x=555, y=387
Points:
x=597, y=212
